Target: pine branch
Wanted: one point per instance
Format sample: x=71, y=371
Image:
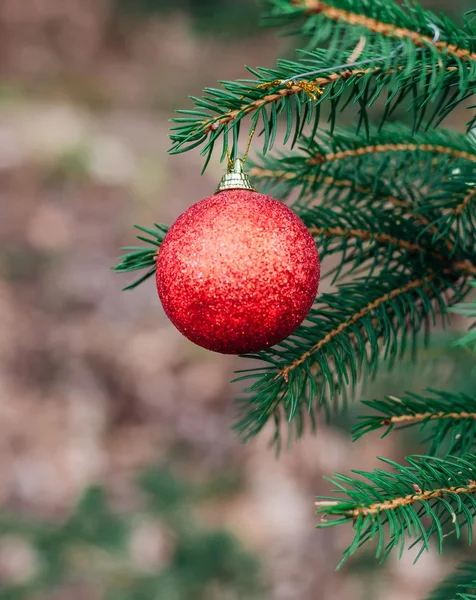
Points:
x=451, y=419
x=361, y=181
x=374, y=237
x=368, y=238
x=358, y=246
x=383, y=17
x=333, y=191
x=408, y=147
x=425, y=81
x=350, y=330
x=394, y=156
x=139, y=257
x=365, y=224
x=349, y=333
x=457, y=201
x=431, y=490
x=371, y=223
x=371, y=244
x=372, y=306
x=460, y=585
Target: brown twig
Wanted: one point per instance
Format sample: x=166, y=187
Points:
x=380, y=148
x=395, y=420
x=377, y=507
x=468, y=198
x=364, y=235
x=320, y=82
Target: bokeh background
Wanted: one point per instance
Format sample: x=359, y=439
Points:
x=120, y=476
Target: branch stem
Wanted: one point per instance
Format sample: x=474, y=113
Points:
x=382, y=148
x=428, y=415
x=393, y=504
x=211, y=124
x=386, y=29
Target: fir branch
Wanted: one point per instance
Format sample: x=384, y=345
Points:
x=382, y=239
x=196, y=131
x=348, y=333
x=460, y=585
x=360, y=195
x=450, y=417
x=456, y=201
x=418, y=181
x=220, y=112
x=273, y=178
x=441, y=491
x=139, y=257
x=361, y=314
x=369, y=19
x=368, y=236
x=399, y=157
x=408, y=147
x=465, y=202
x=379, y=17
x=365, y=237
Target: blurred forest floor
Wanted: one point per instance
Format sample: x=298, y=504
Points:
x=97, y=388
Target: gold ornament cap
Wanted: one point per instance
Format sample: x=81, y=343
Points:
x=235, y=179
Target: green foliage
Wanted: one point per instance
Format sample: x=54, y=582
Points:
x=378, y=223
x=366, y=239
x=457, y=196
x=347, y=335
x=430, y=91
x=94, y=523
x=383, y=225
x=449, y=419
x=321, y=26
x=394, y=183
x=395, y=207
x=429, y=498
x=397, y=66
x=93, y=547
x=140, y=257
x=460, y=585
x=345, y=166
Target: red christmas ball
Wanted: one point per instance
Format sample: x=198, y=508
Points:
x=237, y=272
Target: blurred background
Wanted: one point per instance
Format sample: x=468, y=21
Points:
x=120, y=477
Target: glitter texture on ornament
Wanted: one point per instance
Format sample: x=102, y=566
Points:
x=237, y=272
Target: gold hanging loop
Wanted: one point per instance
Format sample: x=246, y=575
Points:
x=236, y=178
x=250, y=139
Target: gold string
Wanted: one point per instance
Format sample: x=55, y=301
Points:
x=247, y=151
x=248, y=147
x=230, y=160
